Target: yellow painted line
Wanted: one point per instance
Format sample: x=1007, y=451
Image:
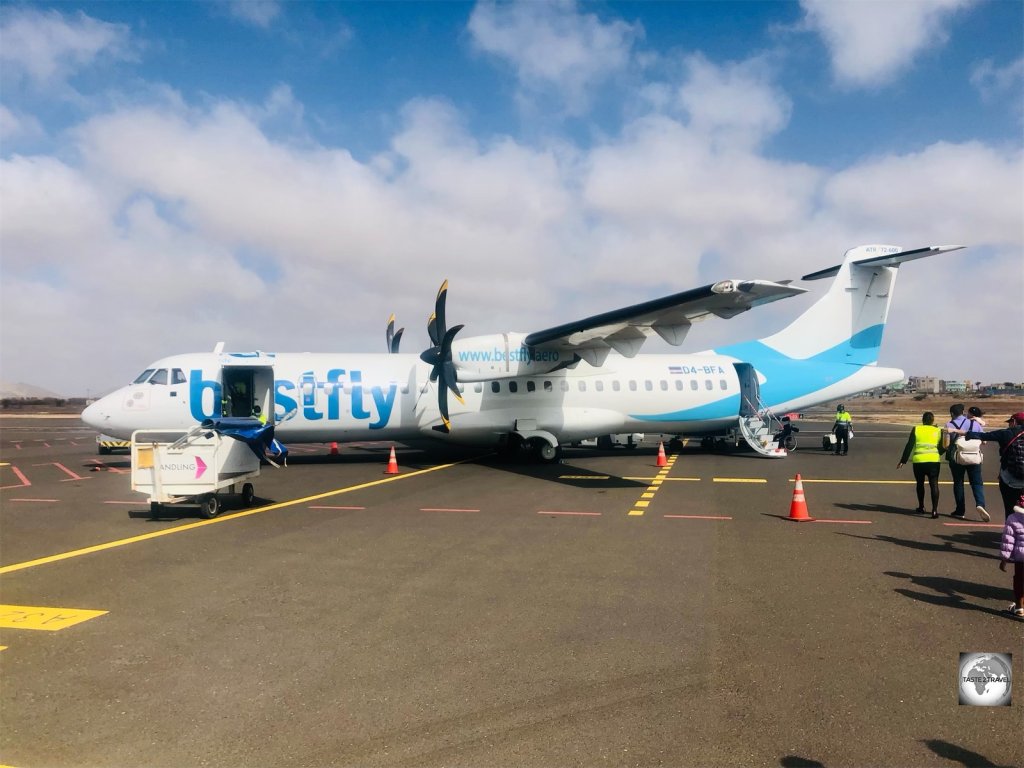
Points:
x=642, y=504
x=227, y=518
x=48, y=619
x=584, y=477
x=738, y=480
x=669, y=479
x=648, y=495
x=634, y=512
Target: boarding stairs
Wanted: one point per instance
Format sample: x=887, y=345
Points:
x=758, y=428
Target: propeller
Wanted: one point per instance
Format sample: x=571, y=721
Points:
x=439, y=357
x=394, y=337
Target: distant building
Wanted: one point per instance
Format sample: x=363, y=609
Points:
x=956, y=387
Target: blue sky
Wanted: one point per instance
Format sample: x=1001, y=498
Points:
x=283, y=175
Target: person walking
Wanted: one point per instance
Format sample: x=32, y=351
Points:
x=1012, y=551
x=842, y=429
x=1011, y=458
x=958, y=421
x=924, y=449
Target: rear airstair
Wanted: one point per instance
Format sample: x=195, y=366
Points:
x=759, y=427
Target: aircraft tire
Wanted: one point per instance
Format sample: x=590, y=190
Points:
x=547, y=452
x=209, y=506
x=248, y=494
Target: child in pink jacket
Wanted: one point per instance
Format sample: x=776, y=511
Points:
x=1012, y=551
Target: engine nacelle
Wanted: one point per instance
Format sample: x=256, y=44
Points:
x=503, y=356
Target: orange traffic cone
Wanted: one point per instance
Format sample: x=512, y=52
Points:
x=392, y=463
x=334, y=449
x=662, y=461
x=798, y=508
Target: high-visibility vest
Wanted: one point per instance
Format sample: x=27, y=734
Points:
x=844, y=417
x=926, y=443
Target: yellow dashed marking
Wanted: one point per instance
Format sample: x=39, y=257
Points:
x=644, y=501
x=738, y=480
x=584, y=477
x=47, y=619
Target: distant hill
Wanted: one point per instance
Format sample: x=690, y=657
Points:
x=21, y=390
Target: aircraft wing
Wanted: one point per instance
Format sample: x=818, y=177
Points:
x=626, y=329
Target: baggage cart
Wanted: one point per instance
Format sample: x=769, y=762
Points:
x=178, y=466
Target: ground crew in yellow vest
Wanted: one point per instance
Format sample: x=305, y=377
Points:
x=924, y=450
x=842, y=429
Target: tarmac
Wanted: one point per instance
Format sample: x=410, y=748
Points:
x=468, y=612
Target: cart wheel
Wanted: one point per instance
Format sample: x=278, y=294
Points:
x=209, y=506
x=154, y=509
x=248, y=494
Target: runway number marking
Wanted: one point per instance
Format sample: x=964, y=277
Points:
x=640, y=505
x=47, y=619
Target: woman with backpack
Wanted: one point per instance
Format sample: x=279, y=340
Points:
x=964, y=458
x=1011, y=458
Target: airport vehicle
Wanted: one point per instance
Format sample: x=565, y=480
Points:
x=539, y=390
x=175, y=466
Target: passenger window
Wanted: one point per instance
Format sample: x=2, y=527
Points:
x=495, y=386
x=708, y=385
x=513, y=387
x=565, y=385
x=478, y=387
x=722, y=384
x=649, y=385
x=160, y=377
x=178, y=376
x=679, y=383
x=664, y=385
x=581, y=385
x=693, y=384
x=547, y=386
x=632, y=386
x=143, y=376
x=599, y=386
x=531, y=386
x=616, y=385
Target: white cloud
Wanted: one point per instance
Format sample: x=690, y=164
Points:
x=997, y=84
x=48, y=47
x=16, y=125
x=552, y=46
x=735, y=103
x=871, y=43
x=258, y=13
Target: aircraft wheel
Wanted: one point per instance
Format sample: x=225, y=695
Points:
x=604, y=443
x=209, y=506
x=707, y=443
x=547, y=452
x=248, y=494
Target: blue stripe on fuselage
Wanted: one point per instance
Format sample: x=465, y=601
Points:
x=786, y=378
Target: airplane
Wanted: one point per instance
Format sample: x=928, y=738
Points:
x=537, y=391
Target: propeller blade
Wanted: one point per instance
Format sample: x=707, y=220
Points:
x=390, y=333
x=432, y=329
x=442, y=406
x=397, y=340
x=442, y=297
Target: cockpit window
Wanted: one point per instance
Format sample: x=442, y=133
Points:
x=178, y=376
x=143, y=376
x=160, y=377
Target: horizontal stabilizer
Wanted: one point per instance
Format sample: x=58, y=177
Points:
x=885, y=259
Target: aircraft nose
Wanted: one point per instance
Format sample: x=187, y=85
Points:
x=96, y=415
